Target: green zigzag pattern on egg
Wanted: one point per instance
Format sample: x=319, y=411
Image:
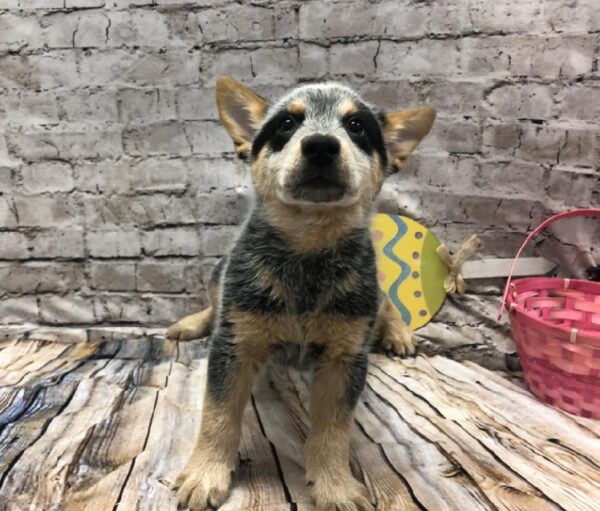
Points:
x=410, y=271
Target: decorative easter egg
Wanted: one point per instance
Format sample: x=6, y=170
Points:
x=409, y=270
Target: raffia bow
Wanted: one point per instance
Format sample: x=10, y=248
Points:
x=454, y=281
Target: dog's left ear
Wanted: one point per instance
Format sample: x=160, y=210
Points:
x=403, y=131
x=241, y=111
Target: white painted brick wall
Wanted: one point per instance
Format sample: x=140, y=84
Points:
x=119, y=189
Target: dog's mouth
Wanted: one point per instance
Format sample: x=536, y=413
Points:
x=318, y=189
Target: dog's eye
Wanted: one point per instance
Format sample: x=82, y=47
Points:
x=355, y=126
x=287, y=124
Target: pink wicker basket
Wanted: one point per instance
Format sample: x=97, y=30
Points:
x=556, y=327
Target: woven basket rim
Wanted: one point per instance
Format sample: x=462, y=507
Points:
x=589, y=337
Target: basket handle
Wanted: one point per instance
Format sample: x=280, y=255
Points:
x=535, y=232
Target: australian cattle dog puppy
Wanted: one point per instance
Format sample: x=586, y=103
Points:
x=300, y=283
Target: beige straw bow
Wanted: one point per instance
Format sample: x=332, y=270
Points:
x=454, y=281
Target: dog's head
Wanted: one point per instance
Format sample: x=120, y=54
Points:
x=320, y=145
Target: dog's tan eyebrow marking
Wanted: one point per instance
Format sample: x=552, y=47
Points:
x=297, y=107
x=347, y=107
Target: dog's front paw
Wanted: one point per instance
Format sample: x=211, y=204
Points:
x=400, y=341
x=203, y=487
x=348, y=495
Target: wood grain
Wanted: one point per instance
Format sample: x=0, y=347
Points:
x=108, y=425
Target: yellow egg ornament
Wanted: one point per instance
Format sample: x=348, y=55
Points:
x=416, y=271
x=410, y=271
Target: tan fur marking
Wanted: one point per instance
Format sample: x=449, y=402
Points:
x=343, y=336
x=404, y=131
x=193, y=326
x=296, y=107
x=325, y=225
x=347, y=107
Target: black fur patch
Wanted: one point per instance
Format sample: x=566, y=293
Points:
x=357, y=375
x=311, y=276
x=221, y=365
x=372, y=138
x=272, y=134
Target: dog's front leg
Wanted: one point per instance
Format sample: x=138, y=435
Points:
x=336, y=387
x=205, y=481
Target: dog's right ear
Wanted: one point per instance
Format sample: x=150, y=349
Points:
x=241, y=111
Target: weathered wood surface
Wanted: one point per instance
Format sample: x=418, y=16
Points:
x=108, y=425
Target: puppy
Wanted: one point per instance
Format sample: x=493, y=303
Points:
x=300, y=284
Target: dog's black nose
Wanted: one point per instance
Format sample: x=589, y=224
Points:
x=320, y=149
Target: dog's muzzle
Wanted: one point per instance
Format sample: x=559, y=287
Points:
x=320, y=178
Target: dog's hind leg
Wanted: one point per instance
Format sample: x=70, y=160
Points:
x=193, y=326
x=392, y=332
x=200, y=324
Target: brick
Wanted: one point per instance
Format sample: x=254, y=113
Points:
x=357, y=58
x=172, y=241
x=112, y=276
x=454, y=136
x=41, y=277
x=6, y=156
x=13, y=245
x=109, y=243
x=455, y=97
x=160, y=138
x=510, y=16
x=556, y=145
x=8, y=213
x=17, y=31
x=234, y=62
x=122, y=308
x=39, y=71
x=163, y=276
x=573, y=189
x=47, y=176
x=386, y=18
x=66, y=309
x=165, y=310
x=207, y=137
x=511, y=178
x=197, y=104
x=564, y=18
x=57, y=243
x=102, y=176
x=433, y=57
x=313, y=60
x=286, y=19
x=579, y=102
x=391, y=96
x=36, y=144
x=216, y=241
x=275, y=65
x=29, y=107
x=207, y=175
x=147, y=105
x=84, y=3
x=7, y=179
x=159, y=175
x=528, y=101
x=19, y=309
x=46, y=211
x=121, y=67
x=245, y=23
x=41, y=4
x=140, y=28
x=88, y=106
